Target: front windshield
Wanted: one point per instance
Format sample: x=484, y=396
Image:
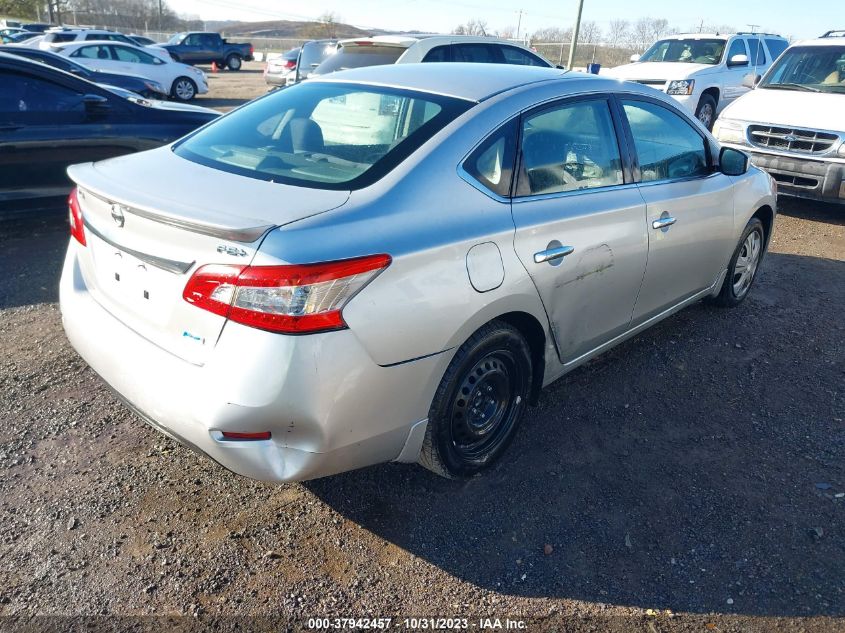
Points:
x=322, y=135
x=176, y=39
x=808, y=68
x=689, y=51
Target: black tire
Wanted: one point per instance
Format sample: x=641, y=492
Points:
x=234, y=62
x=706, y=111
x=730, y=295
x=183, y=89
x=493, y=371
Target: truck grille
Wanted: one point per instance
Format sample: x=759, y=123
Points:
x=650, y=82
x=791, y=139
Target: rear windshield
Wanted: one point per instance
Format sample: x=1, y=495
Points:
x=359, y=56
x=313, y=54
x=324, y=136
x=56, y=38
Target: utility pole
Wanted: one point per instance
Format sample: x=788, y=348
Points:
x=575, y=34
x=519, y=24
x=159, y=16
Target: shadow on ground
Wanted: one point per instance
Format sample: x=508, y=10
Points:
x=678, y=471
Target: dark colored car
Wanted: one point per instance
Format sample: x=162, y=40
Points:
x=140, y=40
x=36, y=27
x=50, y=119
x=205, y=48
x=140, y=85
x=20, y=38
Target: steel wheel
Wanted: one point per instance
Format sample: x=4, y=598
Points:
x=746, y=264
x=184, y=89
x=484, y=408
x=705, y=115
x=234, y=62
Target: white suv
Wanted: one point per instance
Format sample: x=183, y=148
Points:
x=404, y=49
x=703, y=72
x=793, y=123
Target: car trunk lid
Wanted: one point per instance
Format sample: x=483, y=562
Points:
x=150, y=224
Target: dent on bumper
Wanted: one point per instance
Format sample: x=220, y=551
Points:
x=328, y=407
x=804, y=177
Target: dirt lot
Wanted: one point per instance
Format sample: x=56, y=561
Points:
x=698, y=469
x=227, y=89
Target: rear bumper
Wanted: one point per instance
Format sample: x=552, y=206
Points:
x=328, y=407
x=803, y=177
x=276, y=79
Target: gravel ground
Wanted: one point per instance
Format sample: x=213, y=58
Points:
x=692, y=479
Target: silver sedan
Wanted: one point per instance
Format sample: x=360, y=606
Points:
x=388, y=264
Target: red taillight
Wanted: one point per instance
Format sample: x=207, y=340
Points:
x=229, y=435
x=77, y=228
x=251, y=50
x=294, y=299
x=290, y=63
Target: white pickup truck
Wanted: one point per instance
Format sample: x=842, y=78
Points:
x=704, y=72
x=793, y=123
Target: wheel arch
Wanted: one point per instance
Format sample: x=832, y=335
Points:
x=534, y=334
x=766, y=215
x=714, y=92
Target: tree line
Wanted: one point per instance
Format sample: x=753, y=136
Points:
x=155, y=15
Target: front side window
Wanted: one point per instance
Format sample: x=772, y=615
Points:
x=26, y=97
x=809, y=69
x=491, y=164
x=193, y=40
x=325, y=136
x=667, y=146
x=737, y=48
x=133, y=56
x=690, y=51
x=568, y=148
x=514, y=55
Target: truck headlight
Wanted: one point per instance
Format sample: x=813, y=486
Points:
x=729, y=132
x=681, y=87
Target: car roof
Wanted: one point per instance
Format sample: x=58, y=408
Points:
x=821, y=41
x=432, y=39
x=81, y=43
x=473, y=82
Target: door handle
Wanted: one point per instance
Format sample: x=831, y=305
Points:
x=663, y=223
x=552, y=254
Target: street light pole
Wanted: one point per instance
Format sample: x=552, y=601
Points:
x=575, y=34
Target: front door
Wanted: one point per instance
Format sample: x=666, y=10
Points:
x=580, y=226
x=689, y=218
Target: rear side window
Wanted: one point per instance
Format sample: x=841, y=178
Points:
x=437, y=54
x=667, y=146
x=57, y=38
x=360, y=56
x=491, y=164
x=776, y=47
x=757, y=55
x=477, y=53
x=93, y=52
x=325, y=136
x=569, y=147
x=133, y=56
x=520, y=57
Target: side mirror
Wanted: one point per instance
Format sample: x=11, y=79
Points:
x=95, y=104
x=635, y=59
x=751, y=80
x=738, y=60
x=732, y=162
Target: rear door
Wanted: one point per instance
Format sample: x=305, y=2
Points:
x=689, y=219
x=580, y=222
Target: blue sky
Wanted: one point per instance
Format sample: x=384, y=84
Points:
x=788, y=17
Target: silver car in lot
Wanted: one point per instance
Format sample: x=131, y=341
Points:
x=388, y=264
